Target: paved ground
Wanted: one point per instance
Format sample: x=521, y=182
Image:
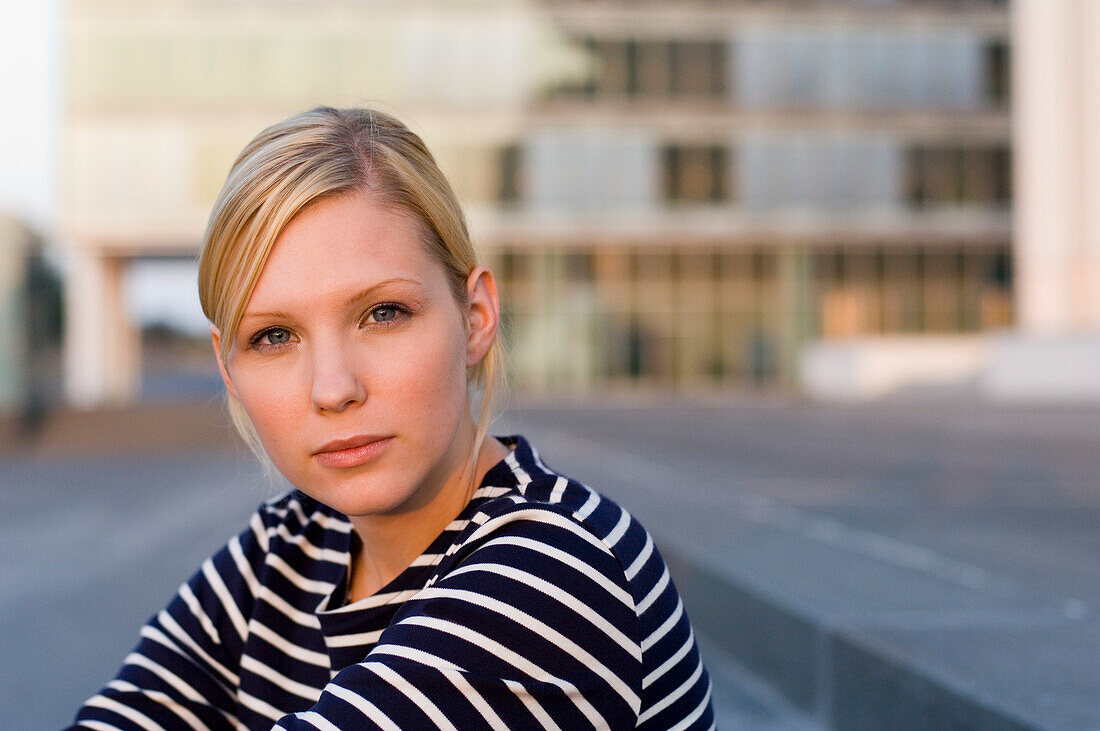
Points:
x=904, y=564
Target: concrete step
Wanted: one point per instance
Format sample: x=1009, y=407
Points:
x=877, y=673
x=744, y=701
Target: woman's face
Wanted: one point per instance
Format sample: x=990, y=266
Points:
x=351, y=359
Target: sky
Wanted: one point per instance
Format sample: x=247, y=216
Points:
x=29, y=99
x=166, y=293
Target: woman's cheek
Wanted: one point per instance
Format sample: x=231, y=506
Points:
x=273, y=403
x=435, y=371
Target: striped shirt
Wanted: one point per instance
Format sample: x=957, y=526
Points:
x=543, y=605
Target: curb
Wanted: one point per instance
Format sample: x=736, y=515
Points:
x=832, y=674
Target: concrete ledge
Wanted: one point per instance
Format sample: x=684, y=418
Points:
x=870, y=689
x=784, y=649
x=1052, y=368
x=1002, y=367
x=838, y=676
x=868, y=368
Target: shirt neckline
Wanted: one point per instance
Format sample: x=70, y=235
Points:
x=500, y=475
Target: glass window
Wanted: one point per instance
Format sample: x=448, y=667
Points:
x=942, y=172
x=696, y=174
x=613, y=72
x=996, y=72
x=698, y=68
x=578, y=266
x=590, y=170
x=653, y=72
x=819, y=171
x=944, y=175
x=510, y=162
x=802, y=66
x=652, y=69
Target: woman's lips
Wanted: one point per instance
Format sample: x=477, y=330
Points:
x=351, y=452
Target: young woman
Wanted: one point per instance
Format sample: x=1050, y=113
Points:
x=422, y=574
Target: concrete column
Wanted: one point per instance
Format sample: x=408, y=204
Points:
x=536, y=351
x=102, y=348
x=795, y=282
x=13, y=375
x=1056, y=113
x=1089, y=288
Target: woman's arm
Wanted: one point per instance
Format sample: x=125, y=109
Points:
x=536, y=628
x=184, y=671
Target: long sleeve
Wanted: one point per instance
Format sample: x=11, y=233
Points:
x=184, y=672
x=511, y=638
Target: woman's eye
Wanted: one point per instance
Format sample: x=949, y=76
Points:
x=382, y=314
x=385, y=313
x=274, y=336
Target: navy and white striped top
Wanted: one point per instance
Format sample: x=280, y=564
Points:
x=543, y=605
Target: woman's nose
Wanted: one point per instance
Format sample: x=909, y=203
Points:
x=336, y=381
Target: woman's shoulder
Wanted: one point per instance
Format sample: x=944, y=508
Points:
x=553, y=494
x=523, y=493
x=295, y=517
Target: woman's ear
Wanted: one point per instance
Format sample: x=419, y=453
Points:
x=216, y=338
x=482, y=314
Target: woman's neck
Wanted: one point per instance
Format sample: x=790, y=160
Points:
x=389, y=543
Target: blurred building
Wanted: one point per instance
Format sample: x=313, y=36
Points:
x=729, y=179
x=15, y=242
x=673, y=193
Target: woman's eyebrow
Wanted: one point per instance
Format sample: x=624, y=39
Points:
x=273, y=315
x=371, y=291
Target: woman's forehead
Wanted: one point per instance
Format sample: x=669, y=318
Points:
x=343, y=244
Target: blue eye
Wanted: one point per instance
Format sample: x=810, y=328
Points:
x=276, y=336
x=384, y=314
x=273, y=336
x=389, y=313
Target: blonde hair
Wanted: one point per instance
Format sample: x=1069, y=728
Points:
x=315, y=155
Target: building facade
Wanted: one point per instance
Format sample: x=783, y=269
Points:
x=726, y=180
x=673, y=194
